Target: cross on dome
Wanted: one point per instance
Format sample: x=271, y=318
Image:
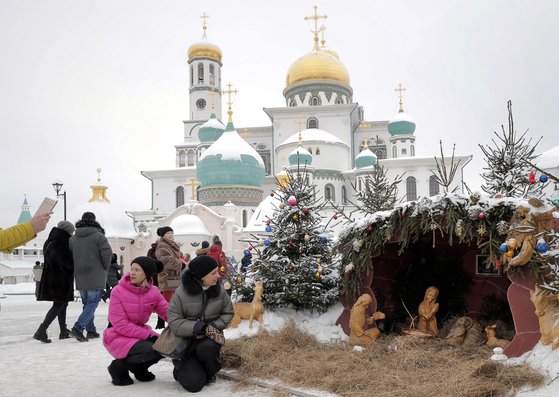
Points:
x=228, y=92
x=316, y=17
x=204, y=17
x=400, y=90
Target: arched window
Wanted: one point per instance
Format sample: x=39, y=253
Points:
x=180, y=196
x=394, y=152
x=411, y=189
x=433, y=186
x=182, y=158
x=315, y=100
x=245, y=218
x=191, y=157
x=339, y=101
x=312, y=122
x=380, y=154
x=292, y=103
x=329, y=193
x=412, y=150
x=317, y=151
x=212, y=74
x=200, y=73
x=344, y=196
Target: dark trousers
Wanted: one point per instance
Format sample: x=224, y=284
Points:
x=142, y=353
x=201, y=365
x=58, y=309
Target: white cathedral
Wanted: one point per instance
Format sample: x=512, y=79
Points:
x=222, y=180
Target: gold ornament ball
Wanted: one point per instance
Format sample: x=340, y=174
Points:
x=295, y=217
x=239, y=280
x=318, y=260
x=510, y=253
x=282, y=205
x=307, y=237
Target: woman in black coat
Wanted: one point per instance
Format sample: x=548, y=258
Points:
x=57, y=281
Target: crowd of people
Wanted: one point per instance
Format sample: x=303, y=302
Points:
x=191, y=296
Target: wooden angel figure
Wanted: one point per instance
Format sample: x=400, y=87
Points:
x=427, y=312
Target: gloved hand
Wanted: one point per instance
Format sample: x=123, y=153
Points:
x=152, y=338
x=199, y=327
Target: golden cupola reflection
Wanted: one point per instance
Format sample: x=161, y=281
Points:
x=317, y=65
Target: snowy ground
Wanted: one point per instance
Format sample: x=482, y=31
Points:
x=30, y=368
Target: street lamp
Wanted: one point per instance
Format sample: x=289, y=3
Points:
x=57, y=185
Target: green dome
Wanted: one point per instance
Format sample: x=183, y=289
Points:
x=211, y=130
x=401, y=124
x=365, y=159
x=300, y=155
x=230, y=161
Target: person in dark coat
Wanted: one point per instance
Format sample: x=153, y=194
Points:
x=112, y=277
x=57, y=280
x=198, y=310
x=92, y=258
x=204, y=249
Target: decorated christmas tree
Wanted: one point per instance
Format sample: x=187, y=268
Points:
x=508, y=172
x=294, y=260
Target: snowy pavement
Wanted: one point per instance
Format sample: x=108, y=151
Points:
x=29, y=368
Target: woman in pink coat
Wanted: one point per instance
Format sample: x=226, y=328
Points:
x=128, y=338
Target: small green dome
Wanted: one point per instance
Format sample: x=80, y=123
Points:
x=300, y=155
x=401, y=124
x=365, y=159
x=230, y=161
x=211, y=130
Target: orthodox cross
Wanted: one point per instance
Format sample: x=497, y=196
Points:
x=228, y=92
x=299, y=122
x=192, y=185
x=400, y=90
x=316, y=17
x=212, y=95
x=99, y=174
x=204, y=16
x=365, y=143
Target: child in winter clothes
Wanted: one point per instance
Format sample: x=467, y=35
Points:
x=129, y=339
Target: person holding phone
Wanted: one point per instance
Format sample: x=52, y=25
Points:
x=17, y=235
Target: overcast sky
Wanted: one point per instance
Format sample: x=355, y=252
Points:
x=87, y=84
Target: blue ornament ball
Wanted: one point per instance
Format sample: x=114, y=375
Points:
x=323, y=239
x=267, y=242
x=543, y=178
x=542, y=247
x=313, y=271
x=504, y=247
x=246, y=252
x=268, y=229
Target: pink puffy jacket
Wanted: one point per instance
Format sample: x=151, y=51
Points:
x=129, y=310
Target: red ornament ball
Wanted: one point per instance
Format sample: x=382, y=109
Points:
x=370, y=229
x=268, y=222
x=250, y=248
x=335, y=217
x=272, y=194
x=305, y=210
x=482, y=216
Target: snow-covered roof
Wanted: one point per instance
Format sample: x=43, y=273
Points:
x=401, y=116
x=188, y=224
x=313, y=134
x=549, y=159
x=264, y=211
x=231, y=146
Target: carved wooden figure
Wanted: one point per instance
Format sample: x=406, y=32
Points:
x=358, y=321
x=546, y=310
x=427, y=312
x=465, y=331
x=492, y=340
x=249, y=310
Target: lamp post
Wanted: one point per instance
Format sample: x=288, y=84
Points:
x=57, y=185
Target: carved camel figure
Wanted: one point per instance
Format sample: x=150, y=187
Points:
x=249, y=310
x=546, y=310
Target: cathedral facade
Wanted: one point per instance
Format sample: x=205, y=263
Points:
x=226, y=173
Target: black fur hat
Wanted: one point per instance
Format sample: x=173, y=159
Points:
x=163, y=230
x=150, y=266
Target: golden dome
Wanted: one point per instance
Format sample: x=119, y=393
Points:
x=317, y=65
x=204, y=49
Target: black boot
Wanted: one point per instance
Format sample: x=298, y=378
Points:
x=64, y=333
x=78, y=335
x=41, y=334
x=119, y=373
x=141, y=372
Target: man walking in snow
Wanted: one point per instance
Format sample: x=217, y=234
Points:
x=92, y=257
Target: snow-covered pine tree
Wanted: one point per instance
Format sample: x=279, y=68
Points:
x=295, y=263
x=507, y=171
x=378, y=194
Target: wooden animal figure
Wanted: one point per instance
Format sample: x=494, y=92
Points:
x=358, y=320
x=546, y=310
x=464, y=332
x=249, y=310
x=492, y=340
